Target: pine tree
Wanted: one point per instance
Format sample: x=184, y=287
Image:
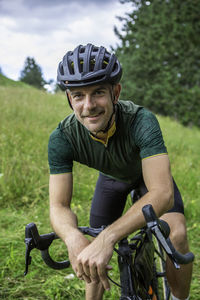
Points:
x=32, y=74
x=160, y=54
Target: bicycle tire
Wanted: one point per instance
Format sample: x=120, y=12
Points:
x=160, y=284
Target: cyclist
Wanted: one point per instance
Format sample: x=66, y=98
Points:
x=124, y=142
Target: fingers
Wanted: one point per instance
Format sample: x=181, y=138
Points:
x=92, y=264
x=85, y=278
x=87, y=273
x=102, y=272
x=108, y=267
x=94, y=274
x=81, y=274
x=86, y=270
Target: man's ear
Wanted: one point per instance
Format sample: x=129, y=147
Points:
x=117, y=90
x=69, y=98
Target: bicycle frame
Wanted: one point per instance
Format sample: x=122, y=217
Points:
x=132, y=284
x=125, y=268
x=129, y=282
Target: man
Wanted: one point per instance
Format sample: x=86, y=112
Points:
x=124, y=142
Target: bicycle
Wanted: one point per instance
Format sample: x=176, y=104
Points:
x=137, y=257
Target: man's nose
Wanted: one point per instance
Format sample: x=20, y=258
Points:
x=89, y=102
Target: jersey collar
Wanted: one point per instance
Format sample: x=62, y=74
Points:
x=110, y=133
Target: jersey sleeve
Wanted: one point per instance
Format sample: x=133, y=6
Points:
x=147, y=134
x=60, y=153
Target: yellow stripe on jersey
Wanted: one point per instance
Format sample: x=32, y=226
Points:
x=159, y=154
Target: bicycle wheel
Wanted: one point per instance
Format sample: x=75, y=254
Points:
x=160, y=284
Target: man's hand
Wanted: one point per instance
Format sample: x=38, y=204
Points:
x=74, y=249
x=92, y=262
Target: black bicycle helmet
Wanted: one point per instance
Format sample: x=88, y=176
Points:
x=88, y=65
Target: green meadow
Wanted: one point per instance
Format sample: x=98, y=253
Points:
x=27, y=118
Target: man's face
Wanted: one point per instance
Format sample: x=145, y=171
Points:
x=93, y=105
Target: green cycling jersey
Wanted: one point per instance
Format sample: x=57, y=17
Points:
x=134, y=136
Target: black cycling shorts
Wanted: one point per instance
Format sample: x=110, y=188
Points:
x=110, y=197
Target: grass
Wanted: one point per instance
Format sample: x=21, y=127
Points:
x=27, y=118
x=4, y=81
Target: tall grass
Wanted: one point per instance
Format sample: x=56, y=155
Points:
x=27, y=118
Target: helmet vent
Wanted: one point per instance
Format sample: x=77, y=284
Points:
x=81, y=66
x=95, y=49
x=82, y=50
x=92, y=64
x=71, y=68
x=114, y=67
x=105, y=63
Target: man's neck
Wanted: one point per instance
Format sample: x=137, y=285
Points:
x=103, y=135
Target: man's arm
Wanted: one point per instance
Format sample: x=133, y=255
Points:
x=157, y=176
x=158, y=180
x=62, y=217
x=63, y=220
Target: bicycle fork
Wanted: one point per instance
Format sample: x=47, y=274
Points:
x=126, y=274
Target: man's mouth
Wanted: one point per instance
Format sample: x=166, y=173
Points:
x=94, y=116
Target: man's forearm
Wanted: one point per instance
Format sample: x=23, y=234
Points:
x=133, y=219
x=64, y=222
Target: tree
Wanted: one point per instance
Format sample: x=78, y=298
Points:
x=32, y=74
x=160, y=55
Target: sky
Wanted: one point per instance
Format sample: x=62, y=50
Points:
x=47, y=29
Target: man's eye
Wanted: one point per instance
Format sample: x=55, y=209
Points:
x=77, y=96
x=100, y=92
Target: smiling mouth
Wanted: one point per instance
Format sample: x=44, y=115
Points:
x=94, y=116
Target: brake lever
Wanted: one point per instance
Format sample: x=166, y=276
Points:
x=30, y=245
x=155, y=226
x=165, y=244
x=34, y=240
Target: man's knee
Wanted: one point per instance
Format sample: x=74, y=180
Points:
x=178, y=237
x=178, y=231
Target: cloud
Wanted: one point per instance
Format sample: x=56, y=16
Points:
x=46, y=29
x=42, y=17
x=46, y=3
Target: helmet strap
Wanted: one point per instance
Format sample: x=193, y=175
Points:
x=68, y=99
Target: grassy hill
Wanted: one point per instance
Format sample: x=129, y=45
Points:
x=27, y=118
x=5, y=81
